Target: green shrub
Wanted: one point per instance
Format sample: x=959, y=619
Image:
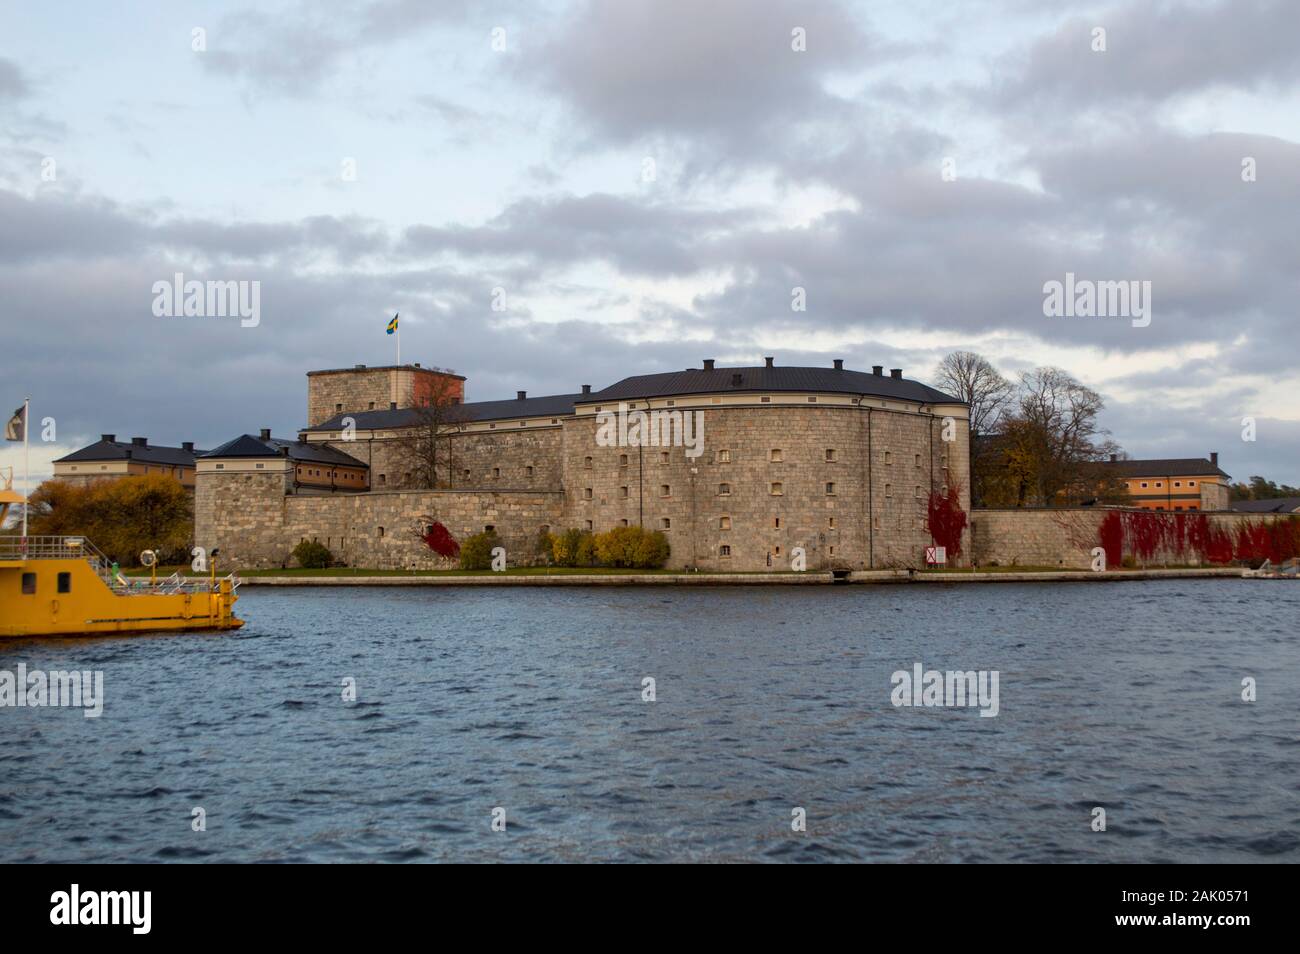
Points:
x=312, y=555
x=632, y=547
x=542, y=548
x=476, y=551
x=565, y=547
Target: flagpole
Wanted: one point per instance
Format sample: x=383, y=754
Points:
x=399, y=344
x=27, y=472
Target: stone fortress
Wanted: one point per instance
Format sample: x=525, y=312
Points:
x=838, y=462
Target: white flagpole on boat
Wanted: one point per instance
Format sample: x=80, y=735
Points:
x=27, y=472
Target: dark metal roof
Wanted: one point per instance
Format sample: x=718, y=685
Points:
x=1168, y=467
x=1271, y=505
x=123, y=450
x=248, y=445
x=553, y=405
x=745, y=380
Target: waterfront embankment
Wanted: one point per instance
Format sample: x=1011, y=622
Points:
x=809, y=578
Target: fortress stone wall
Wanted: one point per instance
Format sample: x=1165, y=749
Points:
x=1065, y=538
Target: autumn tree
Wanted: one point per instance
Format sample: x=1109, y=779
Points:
x=122, y=517
x=423, y=450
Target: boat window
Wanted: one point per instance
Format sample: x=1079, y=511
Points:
x=65, y=582
x=29, y=584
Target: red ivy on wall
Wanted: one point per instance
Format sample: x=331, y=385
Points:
x=441, y=542
x=1192, y=536
x=947, y=521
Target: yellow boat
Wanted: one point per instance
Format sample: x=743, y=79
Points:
x=63, y=586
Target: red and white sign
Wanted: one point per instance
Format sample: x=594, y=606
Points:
x=936, y=556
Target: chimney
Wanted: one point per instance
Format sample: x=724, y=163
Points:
x=108, y=438
x=266, y=433
x=586, y=389
x=521, y=395
x=187, y=446
x=839, y=364
x=284, y=451
x=1214, y=458
x=896, y=373
x=878, y=370
x=140, y=441
x=768, y=361
x=417, y=364
x=1114, y=458
x=708, y=364
x=736, y=380
x=361, y=367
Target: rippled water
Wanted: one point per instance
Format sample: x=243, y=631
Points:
x=1121, y=695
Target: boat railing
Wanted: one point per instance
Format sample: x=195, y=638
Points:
x=50, y=547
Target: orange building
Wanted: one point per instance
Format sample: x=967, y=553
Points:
x=310, y=468
x=1181, y=483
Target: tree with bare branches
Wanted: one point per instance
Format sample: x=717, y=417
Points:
x=423, y=448
x=970, y=377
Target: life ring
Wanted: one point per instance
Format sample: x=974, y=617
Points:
x=148, y=558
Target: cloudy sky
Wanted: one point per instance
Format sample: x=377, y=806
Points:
x=639, y=184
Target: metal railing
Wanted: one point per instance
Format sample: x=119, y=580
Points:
x=79, y=548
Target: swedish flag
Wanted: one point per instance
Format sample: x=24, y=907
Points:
x=392, y=325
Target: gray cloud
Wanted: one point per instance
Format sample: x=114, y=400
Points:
x=1156, y=51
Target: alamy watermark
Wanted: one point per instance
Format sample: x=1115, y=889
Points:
x=81, y=689
x=1084, y=298
x=657, y=428
x=932, y=688
x=212, y=299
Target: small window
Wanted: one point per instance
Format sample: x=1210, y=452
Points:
x=1178, y=483
x=381, y=531
x=830, y=523
x=875, y=524
x=724, y=457
x=663, y=457
x=1144, y=483
x=917, y=492
x=724, y=490
x=776, y=457
x=724, y=550
x=1159, y=484
x=372, y=405
x=489, y=528
x=812, y=399
x=338, y=408
x=724, y=523
x=586, y=493
x=918, y=460
x=832, y=551
x=776, y=523
x=586, y=463
x=777, y=550
x=830, y=488
x=665, y=490
x=622, y=460
x=29, y=584
x=496, y=471
x=260, y=466
x=624, y=492
x=589, y=525
x=383, y=479
x=622, y=523
x=765, y=400
x=830, y=455
x=1191, y=483
x=65, y=583
x=889, y=490
x=528, y=471
x=223, y=467
x=672, y=403
x=465, y=473
x=777, y=489
x=889, y=457
x=666, y=523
